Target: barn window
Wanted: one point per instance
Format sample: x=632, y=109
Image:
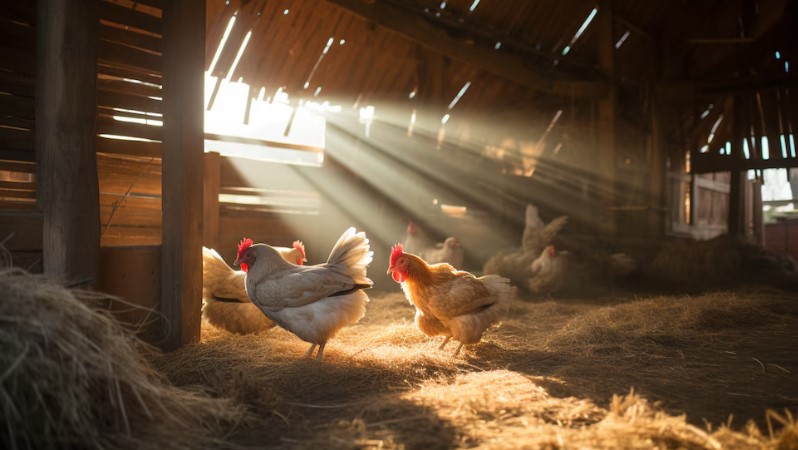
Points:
x=777, y=193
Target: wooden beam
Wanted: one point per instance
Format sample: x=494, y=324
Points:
x=735, y=224
x=211, y=210
x=65, y=137
x=116, y=54
x=130, y=38
x=183, y=141
x=488, y=59
x=607, y=121
x=125, y=147
x=130, y=17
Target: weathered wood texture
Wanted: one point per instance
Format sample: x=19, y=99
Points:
x=65, y=138
x=181, y=256
x=607, y=122
x=129, y=105
x=17, y=114
x=210, y=223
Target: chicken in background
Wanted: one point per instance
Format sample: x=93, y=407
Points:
x=416, y=239
x=537, y=234
x=449, y=302
x=312, y=302
x=515, y=263
x=448, y=251
x=295, y=254
x=548, y=271
x=556, y=272
x=225, y=301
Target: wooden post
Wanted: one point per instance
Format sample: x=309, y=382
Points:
x=607, y=112
x=735, y=218
x=66, y=79
x=656, y=180
x=211, y=214
x=183, y=141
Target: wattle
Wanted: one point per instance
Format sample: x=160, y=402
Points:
x=399, y=277
x=244, y=267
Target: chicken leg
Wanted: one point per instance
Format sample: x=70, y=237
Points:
x=310, y=352
x=320, y=354
x=456, y=352
x=445, y=341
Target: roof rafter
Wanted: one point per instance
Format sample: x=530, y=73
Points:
x=502, y=64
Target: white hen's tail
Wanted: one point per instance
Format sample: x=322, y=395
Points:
x=350, y=256
x=225, y=301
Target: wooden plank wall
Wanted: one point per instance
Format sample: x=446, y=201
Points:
x=20, y=222
x=129, y=105
x=782, y=237
x=128, y=88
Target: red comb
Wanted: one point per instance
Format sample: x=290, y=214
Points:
x=243, y=245
x=301, y=247
x=396, y=252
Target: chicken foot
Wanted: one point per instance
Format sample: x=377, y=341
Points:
x=445, y=341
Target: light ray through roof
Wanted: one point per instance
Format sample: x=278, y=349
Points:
x=580, y=30
x=222, y=44
x=239, y=54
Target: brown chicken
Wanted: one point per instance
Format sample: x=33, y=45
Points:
x=225, y=301
x=450, y=302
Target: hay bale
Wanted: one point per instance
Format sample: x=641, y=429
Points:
x=72, y=377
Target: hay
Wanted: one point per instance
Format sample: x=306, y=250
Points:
x=548, y=377
x=72, y=377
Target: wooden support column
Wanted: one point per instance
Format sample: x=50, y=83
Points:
x=183, y=141
x=735, y=226
x=431, y=105
x=211, y=209
x=66, y=97
x=656, y=167
x=607, y=118
x=666, y=63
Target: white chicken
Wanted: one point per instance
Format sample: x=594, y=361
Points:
x=448, y=251
x=312, y=302
x=449, y=302
x=225, y=301
x=416, y=239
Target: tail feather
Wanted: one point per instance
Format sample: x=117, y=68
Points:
x=350, y=256
x=468, y=328
x=219, y=279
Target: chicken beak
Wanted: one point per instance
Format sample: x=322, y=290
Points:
x=236, y=262
x=390, y=270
